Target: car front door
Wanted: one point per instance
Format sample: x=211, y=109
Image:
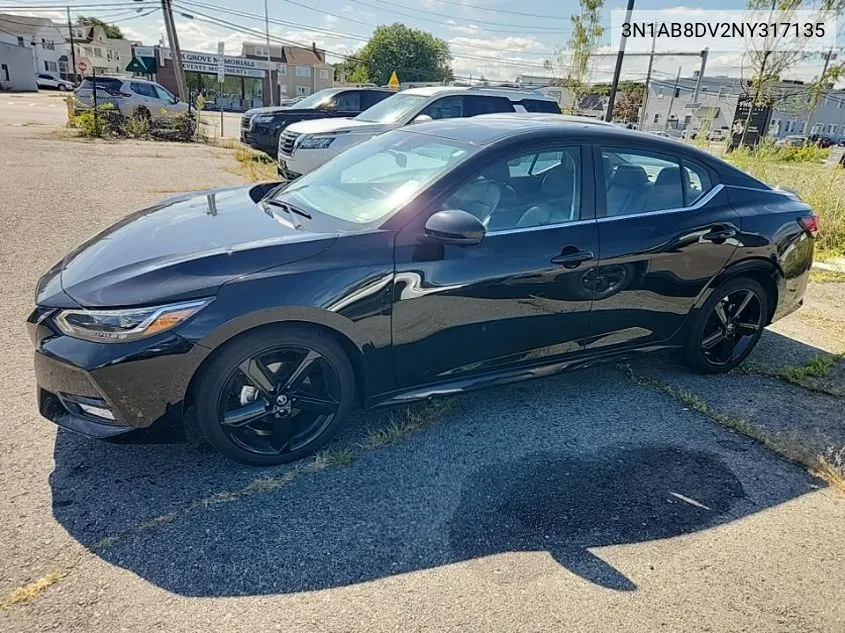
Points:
x=666, y=230
x=516, y=297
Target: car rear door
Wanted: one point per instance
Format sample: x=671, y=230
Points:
x=516, y=297
x=666, y=230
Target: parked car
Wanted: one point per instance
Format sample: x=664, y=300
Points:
x=132, y=96
x=305, y=146
x=260, y=127
x=46, y=80
x=433, y=259
x=718, y=135
x=793, y=140
x=824, y=141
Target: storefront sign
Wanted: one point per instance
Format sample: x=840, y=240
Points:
x=208, y=62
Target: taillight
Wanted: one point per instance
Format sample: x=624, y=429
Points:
x=810, y=224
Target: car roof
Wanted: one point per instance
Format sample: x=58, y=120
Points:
x=514, y=94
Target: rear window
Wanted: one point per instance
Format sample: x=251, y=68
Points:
x=538, y=105
x=103, y=83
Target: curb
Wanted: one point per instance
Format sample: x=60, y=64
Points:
x=834, y=267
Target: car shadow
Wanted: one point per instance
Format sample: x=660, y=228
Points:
x=563, y=465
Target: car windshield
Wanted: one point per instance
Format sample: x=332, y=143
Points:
x=316, y=99
x=372, y=180
x=391, y=109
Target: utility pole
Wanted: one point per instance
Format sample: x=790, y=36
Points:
x=672, y=100
x=827, y=57
x=269, y=74
x=700, y=74
x=72, y=45
x=616, y=72
x=175, y=52
x=648, y=76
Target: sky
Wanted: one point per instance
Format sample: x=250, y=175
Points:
x=498, y=39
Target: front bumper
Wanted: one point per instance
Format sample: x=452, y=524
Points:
x=105, y=389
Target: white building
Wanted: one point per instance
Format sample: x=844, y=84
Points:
x=44, y=42
x=107, y=55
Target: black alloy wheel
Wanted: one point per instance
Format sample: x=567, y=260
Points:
x=275, y=397
x=728, y=326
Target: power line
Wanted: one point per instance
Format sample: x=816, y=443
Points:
x=497, y=10
x=531, y=29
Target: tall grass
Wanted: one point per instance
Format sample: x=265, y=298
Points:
x=802, y=170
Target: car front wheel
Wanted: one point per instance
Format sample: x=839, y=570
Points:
x=727, y=327
x=275, y=395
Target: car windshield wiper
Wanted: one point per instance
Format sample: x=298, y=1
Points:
x=288, y=207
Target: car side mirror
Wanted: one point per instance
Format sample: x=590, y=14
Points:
x=453, y=226
x=331, y=106
x=422, y=118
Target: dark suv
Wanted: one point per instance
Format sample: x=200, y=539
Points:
x=261, y=127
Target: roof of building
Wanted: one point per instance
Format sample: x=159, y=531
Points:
x=303, y=56
x=25, y=23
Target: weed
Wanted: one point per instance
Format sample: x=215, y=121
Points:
x=104, y=543
x=30, y=591
x=333, y=458
x=159, y=520
x=410, y=420
x=826, y=276
x=255, y=166
x=818, y=366
x=831, y=468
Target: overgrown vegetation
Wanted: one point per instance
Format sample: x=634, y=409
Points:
x=255, y=166
x=801, y=170
x=109, y=122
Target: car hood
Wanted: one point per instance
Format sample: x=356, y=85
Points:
x=184, y=247
x=325, y=126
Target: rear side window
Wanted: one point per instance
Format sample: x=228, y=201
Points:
x=538, y=105
x=697, y=182
x=349, y=101
x=446, y=108
x=478, y=104
x=640, y=182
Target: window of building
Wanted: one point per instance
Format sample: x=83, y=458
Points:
x=4, y=69
x=324, y=73
x=98, y=52
x=656, y=118
x=282, y=70
x=303, y=71
x=302, y=90
x=801, y=127
x=20, y=40
x=261, y=51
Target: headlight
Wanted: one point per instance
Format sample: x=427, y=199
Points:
x=120, y=326
x=264, y=118
x=315, y=142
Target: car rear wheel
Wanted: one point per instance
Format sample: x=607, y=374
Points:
x=142, y=114
x=727, y=327
x=62, y=88
x=274, y=396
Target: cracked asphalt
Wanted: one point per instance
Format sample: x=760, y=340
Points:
x=583, y=502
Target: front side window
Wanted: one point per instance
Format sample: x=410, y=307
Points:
x=392, y=109
x=349, y=102
x=163, y=94
x=549, y=186
x=368, y=182
x=145, y=90
x=446, y=108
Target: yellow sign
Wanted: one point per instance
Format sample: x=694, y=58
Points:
x=393, y=84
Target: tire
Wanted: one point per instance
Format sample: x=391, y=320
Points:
x=142, y=114
x=727, y=327
x=62, y=88
x=249, y=377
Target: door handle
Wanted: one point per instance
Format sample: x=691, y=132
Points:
x=570, y=258
x=718, y=234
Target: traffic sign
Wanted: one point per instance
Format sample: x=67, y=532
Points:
x=393, y=84
x=221, y=61
x=84, y=66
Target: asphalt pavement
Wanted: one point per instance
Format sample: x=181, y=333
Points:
x=585, y=502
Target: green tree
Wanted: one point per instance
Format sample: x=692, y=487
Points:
x=415, y=55
x=573, y=65
x=112, y=30
x=351, y=71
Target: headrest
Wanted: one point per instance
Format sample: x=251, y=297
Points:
x=498, y=172
x=629, y=176
x=668, y=176
x=558, y=181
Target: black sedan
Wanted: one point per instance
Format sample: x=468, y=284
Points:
x=430, y=260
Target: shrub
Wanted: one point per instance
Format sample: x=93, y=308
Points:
x=110, y=122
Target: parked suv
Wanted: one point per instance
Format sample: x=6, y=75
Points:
x=260, y=127
x=305, y=146
x=132, y=96
x=46, y=80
